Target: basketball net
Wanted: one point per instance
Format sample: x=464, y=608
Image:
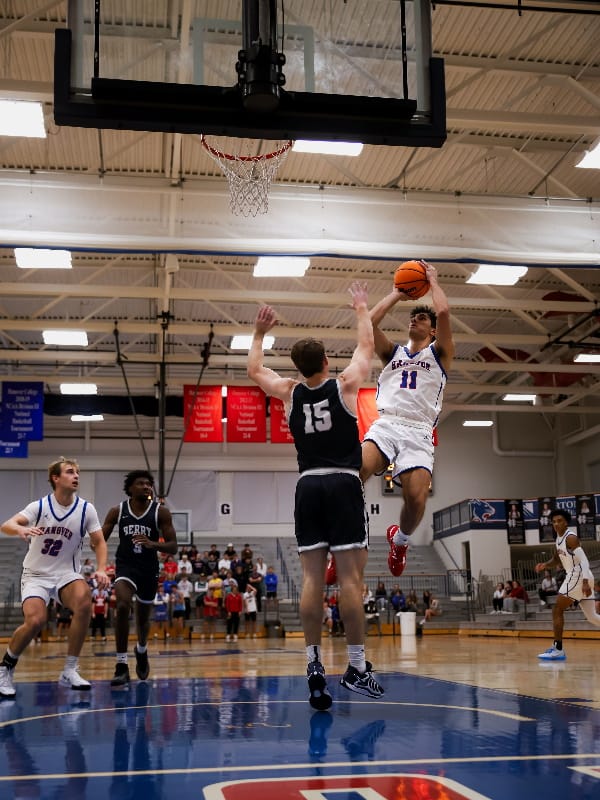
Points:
x=249, y=176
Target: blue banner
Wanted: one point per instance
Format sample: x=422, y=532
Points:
x=22, y=414
x=14, y=449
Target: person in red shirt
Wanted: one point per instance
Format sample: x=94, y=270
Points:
x=170, y=567
x=234, y=603
x=99, y=609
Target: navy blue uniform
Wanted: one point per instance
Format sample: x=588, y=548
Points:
x=134, y=563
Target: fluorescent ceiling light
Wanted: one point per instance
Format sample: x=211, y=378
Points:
x=78, y=388
x=497, y=274
x=587, y=358
x=477, y=423
x=66, y=338
x=591, y=159
x=523, y=398
x=40, y=258
x=328, y=148
x=22, y=118
x=242, y=342
x=87, y=418
x=281, y=266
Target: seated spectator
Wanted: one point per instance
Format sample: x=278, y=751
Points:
x=381, y=596
x=372, y=615
x=426, y=598
x=548, y=587
x=412, y=603
x=498, y=598
x=434, y=610
x=367, y=594
x=517, y=595
x=398, y=600
x=327, y=617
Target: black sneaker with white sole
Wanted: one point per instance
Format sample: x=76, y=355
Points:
x=361, y=683
x=121, y=677
x=142, y=667
x=317, y=686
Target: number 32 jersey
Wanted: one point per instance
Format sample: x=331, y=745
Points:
x=412, y=386
x=58, y=549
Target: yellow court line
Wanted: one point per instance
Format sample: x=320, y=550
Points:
x=414, y=762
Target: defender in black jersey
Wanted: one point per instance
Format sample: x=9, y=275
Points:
x=329, y=505
x=145, y=529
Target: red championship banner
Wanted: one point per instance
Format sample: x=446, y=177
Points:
x=280, y=433
x=367, y=411
x=246, y=414
x=202, y=418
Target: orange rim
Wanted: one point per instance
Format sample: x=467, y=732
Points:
x=230, y=157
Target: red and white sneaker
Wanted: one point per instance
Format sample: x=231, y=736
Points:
x=397, y=554
x=331, y=572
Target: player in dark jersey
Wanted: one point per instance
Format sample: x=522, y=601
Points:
x=329, y=506
x=142, y=523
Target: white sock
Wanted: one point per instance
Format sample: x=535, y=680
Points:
x=356, y=657
x=71, y=662
x=121, y=658
x=400, y=538
x=141, y=648
x=313, y=653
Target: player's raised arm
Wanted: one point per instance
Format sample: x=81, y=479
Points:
x=360, y=365
x=269, y=381
x=444, y=340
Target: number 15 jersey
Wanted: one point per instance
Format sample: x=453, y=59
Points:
x=58, y=549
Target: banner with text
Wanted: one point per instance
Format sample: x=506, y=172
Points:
x=586, y=525
x=22, y=413
x=515, y=524
x=203, y=412
x=280, y=432
x=246, y=414
x=545, y=506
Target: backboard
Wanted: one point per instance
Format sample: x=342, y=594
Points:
x=340, y=70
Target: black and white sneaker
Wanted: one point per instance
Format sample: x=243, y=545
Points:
x=142, y=667
x=317, y=686
x=361, y=683
x=121, y=677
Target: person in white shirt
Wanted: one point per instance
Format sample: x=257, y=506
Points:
x=249, y=597
x=184, y=565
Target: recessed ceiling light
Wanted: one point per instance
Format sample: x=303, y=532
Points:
x=587, y=358
x=65, y=338
x=497, y=274
x=87, y=418
x=243, y=342
x=523, y=398
x=78, y=388
x=281, y=266
x=22, y=118
x=41, y=258
x=328, y=148
x=477, y=423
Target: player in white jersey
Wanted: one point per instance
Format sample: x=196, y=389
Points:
x=577, y=585
x=409, y=400
x=55, y=526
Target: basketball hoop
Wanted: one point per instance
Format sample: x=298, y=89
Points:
x=249, y=176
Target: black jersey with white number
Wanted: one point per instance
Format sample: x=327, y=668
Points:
x=130, y=525
x=325, y=431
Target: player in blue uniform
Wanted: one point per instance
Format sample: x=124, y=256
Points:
x=142, y=523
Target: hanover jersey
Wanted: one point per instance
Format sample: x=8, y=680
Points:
x=325, y=431
x=412, y=383
x=59, y=548
x=569, y=561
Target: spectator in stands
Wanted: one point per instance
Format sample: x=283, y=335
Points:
x=177, y=601
x=367, y=594
x=260, y=566
x=381, y=596
x=200, y=564
x=185, y=566
x=246, y=553
x=250, y=608
x=433, y=610
x=210, y=613
x=517, y=595
x=426, y=599
x=271, y=581
x=88, y=569
x=230, y=551
x=161, y=614
x=224, y=565
x=215, y=584
x=170, y=566
x=255, y=579
x=412, y=603
x=372, y=615
x=327, y=617
x=234, y=604
x=63, y=621
x=548, y=587
x=398, y=600
x=200, y=589
x=145, y=529
x=241, y=578
x=53, y=528
x=212, y=560
x=498, y=599
x=186, y=587
x=338, y=623
x=99, y=609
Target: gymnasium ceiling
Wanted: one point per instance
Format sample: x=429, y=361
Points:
x=523, y=104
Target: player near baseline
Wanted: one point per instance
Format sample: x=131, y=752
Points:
x=409, y=401
x=55, y=526
x=329, y=505
x=141, y=522
x=577, y=585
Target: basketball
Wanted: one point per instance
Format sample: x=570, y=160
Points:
x=410, y=277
